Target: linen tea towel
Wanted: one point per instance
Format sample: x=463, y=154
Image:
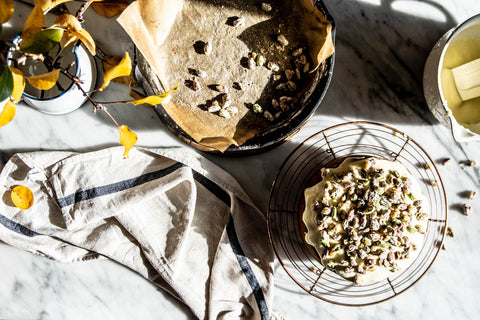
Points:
x=169, y=214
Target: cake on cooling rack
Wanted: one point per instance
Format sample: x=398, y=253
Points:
x=365, y=218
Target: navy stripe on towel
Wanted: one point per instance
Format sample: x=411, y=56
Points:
x=247, y=270
x=18, y=228
x=208, y=184
x=213, y=188
x=116, y=187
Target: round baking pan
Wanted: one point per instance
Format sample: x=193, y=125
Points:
x=277, y=133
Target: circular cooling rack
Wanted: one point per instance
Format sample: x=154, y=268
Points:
x=324, y=149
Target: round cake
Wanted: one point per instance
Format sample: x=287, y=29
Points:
x=365, y=218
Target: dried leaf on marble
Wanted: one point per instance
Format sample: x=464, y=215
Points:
x=8, y=113
x=128, y=139
x=22, y=197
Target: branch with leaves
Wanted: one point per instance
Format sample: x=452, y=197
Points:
x=37, y=41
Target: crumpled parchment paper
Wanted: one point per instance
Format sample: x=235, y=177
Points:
x=170, y=33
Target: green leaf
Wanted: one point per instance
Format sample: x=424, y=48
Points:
x=6, y=83
x=41, y=42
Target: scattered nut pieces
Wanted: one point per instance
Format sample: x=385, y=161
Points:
x=434, y=183
x=214, y=107
x=224, y=113
x=197, y=72
x=282, y=40
x=273, y=66
x=195, y=85
x=207, y=48
x=275, y=104
x=302, y=60
x=467, y=210
x=298, y=75
x=469, y=163
x=446, y=161
x=238, y=22
x=239, y=86
x=471, y=195
x=281, y=86
x=443, y=246
x=257, y=108
x=220, y=88
x=276, y=77
x=267, y=7
x=297, y=52
x=289, y=74
x=251, y=63
x=450, y=232
x=223, y=100
x=260, y=61
x=268, y=116
x=291, y=85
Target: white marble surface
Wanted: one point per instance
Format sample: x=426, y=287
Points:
x=381, y=49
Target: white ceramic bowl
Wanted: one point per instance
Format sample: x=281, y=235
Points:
x=432, y=87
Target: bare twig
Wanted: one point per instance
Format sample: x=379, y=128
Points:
x=82, y=10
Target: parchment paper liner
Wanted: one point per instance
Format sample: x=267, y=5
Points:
x=168, y=33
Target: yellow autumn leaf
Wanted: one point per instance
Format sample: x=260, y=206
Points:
x=110, y=8
x=75, y=31
x=127, y=139
x=86, y=39
x=123, y=68
x=44, y=81
x=6, y=10
x=22, y=197
x=46, y=5
x=34, y=23
x=153, y=100
x=8, y=113
x=111, y=61
x=18, y=84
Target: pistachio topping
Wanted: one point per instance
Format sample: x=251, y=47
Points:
x=368, y=218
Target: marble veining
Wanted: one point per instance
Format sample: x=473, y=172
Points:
x=381, y=47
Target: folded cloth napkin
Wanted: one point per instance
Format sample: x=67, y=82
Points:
x=169, y=214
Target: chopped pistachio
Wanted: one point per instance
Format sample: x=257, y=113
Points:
x=273, y=66
x=257, y=108
x=267, y=7
x=260, y=60
x=224, y=113
x=471, y=195
x=268, y=116
x=251, y=63
x=450, y=232
x=238, y=22
x=296, y=52
x=446, y=161
x=467, y=210
x=282, y=40
x=207, y=48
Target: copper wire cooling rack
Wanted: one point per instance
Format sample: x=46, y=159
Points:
x=322, y=150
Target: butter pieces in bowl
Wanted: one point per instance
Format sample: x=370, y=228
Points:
x=451, y=80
